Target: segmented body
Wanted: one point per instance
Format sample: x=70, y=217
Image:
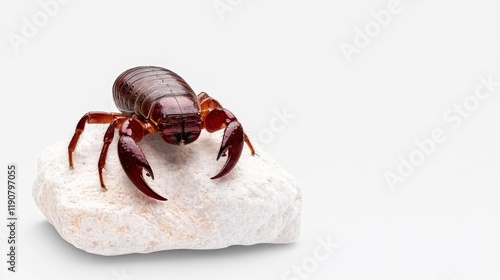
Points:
x=136, y=90
x=156, y=100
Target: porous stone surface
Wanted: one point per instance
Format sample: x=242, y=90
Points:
x=257, y=202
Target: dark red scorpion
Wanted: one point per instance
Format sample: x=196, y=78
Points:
x=156, y=100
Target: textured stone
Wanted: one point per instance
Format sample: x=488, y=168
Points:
x=257, y=202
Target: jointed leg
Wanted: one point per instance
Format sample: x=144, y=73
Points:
x=249, y=144
x=131, y=157
x=108, y=138
x=92, y=118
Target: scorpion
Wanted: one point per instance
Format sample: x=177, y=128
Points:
x=151, y=100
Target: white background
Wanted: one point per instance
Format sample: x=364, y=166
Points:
x=355, y=117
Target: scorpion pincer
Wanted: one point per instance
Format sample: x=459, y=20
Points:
x=156, y=100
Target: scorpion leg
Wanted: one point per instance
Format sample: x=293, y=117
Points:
x=108, y=138
x=215, y=117
x=131, y=156
x=92, y=118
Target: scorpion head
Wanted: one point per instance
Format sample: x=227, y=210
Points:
x=178, y=119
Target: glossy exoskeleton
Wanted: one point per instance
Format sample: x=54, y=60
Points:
x=156, y=100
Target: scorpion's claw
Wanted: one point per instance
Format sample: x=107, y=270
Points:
x=134, y=162
x=232, y=145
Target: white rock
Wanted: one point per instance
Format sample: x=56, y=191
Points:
x=257, y=202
